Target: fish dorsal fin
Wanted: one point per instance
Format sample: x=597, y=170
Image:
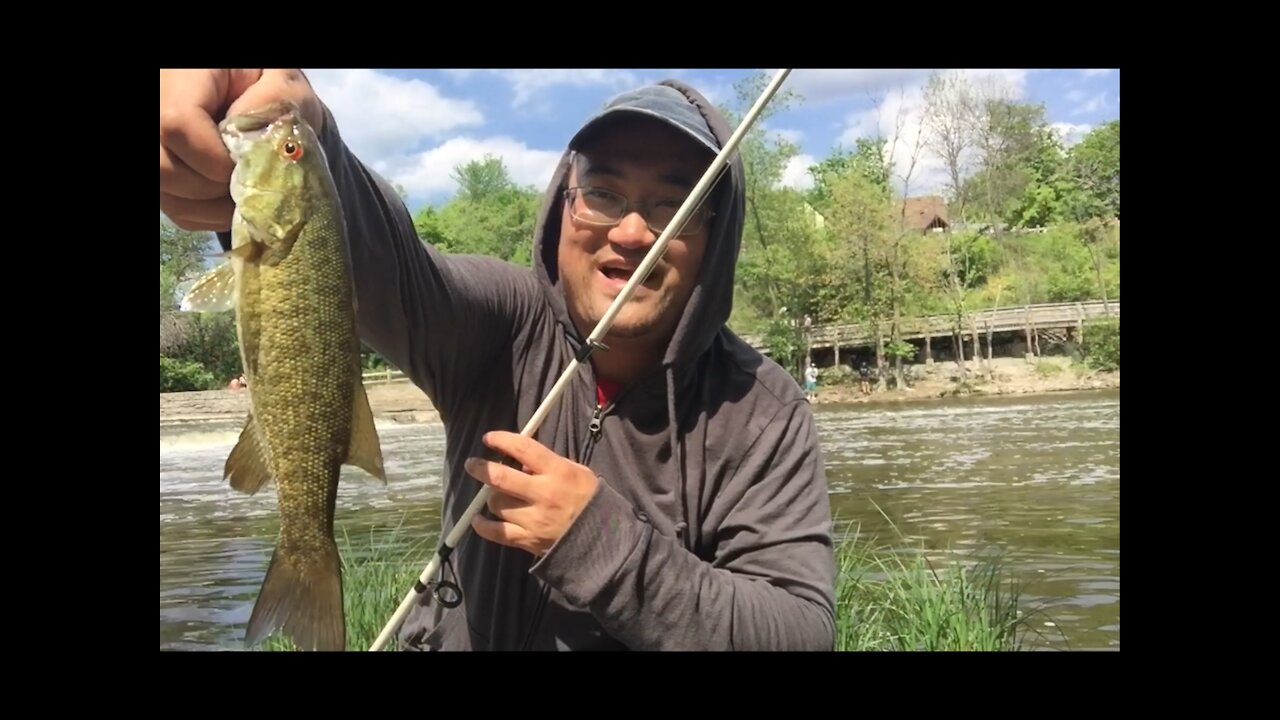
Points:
x=215, y=291
x=364, y=450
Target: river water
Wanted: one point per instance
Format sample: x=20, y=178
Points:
x=1037, y=477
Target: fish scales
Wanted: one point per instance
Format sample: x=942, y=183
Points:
x=295, y=319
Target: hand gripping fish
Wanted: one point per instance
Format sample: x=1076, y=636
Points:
x=287, y=278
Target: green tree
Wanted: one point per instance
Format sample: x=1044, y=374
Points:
x=1095, y=168
x=489, y=215
x=182, y=258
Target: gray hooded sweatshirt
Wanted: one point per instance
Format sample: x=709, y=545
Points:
x=711, y=528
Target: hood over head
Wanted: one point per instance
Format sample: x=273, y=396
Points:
x=711, y=302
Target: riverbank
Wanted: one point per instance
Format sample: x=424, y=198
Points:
x=398, y=402
x=888, y=598
x=1036, y=479
x=404, y=402
x=1010, y=376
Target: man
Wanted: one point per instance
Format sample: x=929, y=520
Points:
x=864, y=378
x=675, y=496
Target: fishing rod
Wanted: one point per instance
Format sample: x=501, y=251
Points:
x=426, y=579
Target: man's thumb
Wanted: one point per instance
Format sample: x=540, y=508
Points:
x=274, y=85
x=239, y=81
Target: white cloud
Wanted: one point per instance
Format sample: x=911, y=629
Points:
x=716, y=93
x=899, y=115
x=1070, y=133
x=430, y=172
x=1093, y=72
x=529, y=85
x=792, y=136
x=1096, y=103
x=401, y=129
x=818, y=85
x=381, y=117
x=796, y=174
x=860, y=123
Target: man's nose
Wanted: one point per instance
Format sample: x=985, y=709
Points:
x=632, y=231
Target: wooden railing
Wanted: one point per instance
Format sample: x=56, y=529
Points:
x=1044, y=316
x=379, y=377
x=1005, y=319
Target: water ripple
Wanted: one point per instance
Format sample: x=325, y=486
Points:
x=1036, y=478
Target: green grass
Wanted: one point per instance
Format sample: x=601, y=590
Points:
x=1048, y=368
x=896, y=600
x=377, y=573
x=887, y=598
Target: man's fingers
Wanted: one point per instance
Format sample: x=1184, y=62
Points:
x=190, y=134
x=214, y=215
x=178, y=179
x=506, y=507
x=191, y=104
x=281, y=84
x=498, y=531
x=502, y=478
x=527, y=451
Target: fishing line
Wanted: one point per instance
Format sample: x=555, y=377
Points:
x=448, y=593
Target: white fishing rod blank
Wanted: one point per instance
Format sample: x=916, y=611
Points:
x=428, y=576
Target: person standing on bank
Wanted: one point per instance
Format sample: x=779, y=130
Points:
x=675, y=497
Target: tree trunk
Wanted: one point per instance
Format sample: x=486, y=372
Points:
x=880, y=385
x=983, y=366
x=1102, y=287
x=1031, y=347
x=896, y=330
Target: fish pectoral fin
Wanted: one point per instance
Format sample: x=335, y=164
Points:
x=215, y=291
x=250, y=252
x=364, y=450
x=247, y=466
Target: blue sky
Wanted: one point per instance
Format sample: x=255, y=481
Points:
x=414, y=126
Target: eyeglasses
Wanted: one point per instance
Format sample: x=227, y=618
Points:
x=599, y=206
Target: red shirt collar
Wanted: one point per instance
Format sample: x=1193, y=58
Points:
x=606, y=390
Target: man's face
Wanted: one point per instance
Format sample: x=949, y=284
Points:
x=655, y=168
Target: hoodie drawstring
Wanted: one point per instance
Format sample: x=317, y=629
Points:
x=677, y=454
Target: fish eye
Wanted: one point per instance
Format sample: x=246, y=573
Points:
x=291, y=150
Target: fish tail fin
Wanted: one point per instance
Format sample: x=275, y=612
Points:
x=301, y=594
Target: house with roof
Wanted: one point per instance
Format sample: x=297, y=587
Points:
x=926, y=213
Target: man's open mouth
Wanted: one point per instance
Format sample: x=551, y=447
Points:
x=615, y=273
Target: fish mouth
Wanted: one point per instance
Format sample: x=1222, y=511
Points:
x=240, y=131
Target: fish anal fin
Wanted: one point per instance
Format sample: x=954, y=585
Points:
x=364, y=451
x=247, y=466
x=215, y=291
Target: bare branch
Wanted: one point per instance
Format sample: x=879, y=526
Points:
x=949, y=113
x=914, y=156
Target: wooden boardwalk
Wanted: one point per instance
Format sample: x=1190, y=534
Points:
x=1056, y=320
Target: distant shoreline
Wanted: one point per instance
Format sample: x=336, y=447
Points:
x=1012, y=376
x=398, y=402
x=404, y=403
